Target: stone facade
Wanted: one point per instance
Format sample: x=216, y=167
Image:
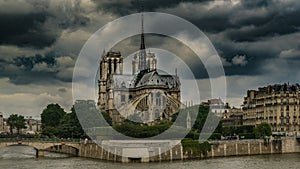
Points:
x=32, y=125
x=147, y=95
x=217, y=106
x=277, y=105
x=233, y=117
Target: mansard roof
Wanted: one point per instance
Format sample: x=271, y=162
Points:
x=278, y=88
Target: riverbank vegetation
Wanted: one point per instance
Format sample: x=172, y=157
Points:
x=194, y=147
x=57, y=123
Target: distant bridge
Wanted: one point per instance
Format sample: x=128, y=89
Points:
x=70, y=147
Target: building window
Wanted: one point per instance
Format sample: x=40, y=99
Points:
x=122, y=98
x=158, y=99
x=281, y=122
x=109, y=66
x=115, y=65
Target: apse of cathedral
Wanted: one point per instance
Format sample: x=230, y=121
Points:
x=146, y=96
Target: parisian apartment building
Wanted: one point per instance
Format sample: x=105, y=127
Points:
x=277, y=105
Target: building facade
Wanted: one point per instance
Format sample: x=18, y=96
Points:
x=32, y=125
x=147, y=95
x=217, y=106
x=277, y=105
x=232, y=117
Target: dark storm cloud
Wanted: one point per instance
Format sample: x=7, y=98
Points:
x=39, y=25
x=254, y=56
x=39, y=69
x=228, y=52
x=29, y=62
x=25, y=30
x=126, y=7
x=255, y=3
x=275, y=25
x=239, y=27
x=131, y=45
x=246, y=21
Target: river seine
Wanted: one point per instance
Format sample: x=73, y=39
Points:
x=22, y=157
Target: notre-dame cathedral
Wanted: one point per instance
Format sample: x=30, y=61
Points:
x=146, y=96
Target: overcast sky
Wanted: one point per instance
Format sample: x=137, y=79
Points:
x=257, y=41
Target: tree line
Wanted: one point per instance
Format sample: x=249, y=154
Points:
x=56, y=122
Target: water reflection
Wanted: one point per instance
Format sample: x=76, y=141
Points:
x=24, y=157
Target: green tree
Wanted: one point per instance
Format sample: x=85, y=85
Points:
x=16, y=121
x=69, y=126
x=201, y=114
x=51, y=117
x=262, y=130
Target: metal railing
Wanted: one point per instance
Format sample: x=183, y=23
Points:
x=40, y=139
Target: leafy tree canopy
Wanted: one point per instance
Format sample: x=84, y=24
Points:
x=17, y=122
x=262, y=130
x=52, y=115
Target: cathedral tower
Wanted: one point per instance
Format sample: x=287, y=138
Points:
x=111, y=64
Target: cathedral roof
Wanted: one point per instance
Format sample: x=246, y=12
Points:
x=154, y=78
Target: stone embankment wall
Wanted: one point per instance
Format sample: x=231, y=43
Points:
x=218, y=149
x=248, y=147
x=115, y=154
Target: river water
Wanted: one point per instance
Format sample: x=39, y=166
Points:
x=22, y=157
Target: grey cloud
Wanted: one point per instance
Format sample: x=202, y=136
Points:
x=38, y=69
x=28, y=63
x=126, y=7
x=41, y=24
x=246, y=29
x=255, y=3
x=257, y=52
x=239, y=60
x=265, y=32
x=130, y=45
x=25, y=30
x=290, y=54
x=260, y=19
x=246, y=21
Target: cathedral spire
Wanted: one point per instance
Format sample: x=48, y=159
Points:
x=142, y=47
x=142, y=52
